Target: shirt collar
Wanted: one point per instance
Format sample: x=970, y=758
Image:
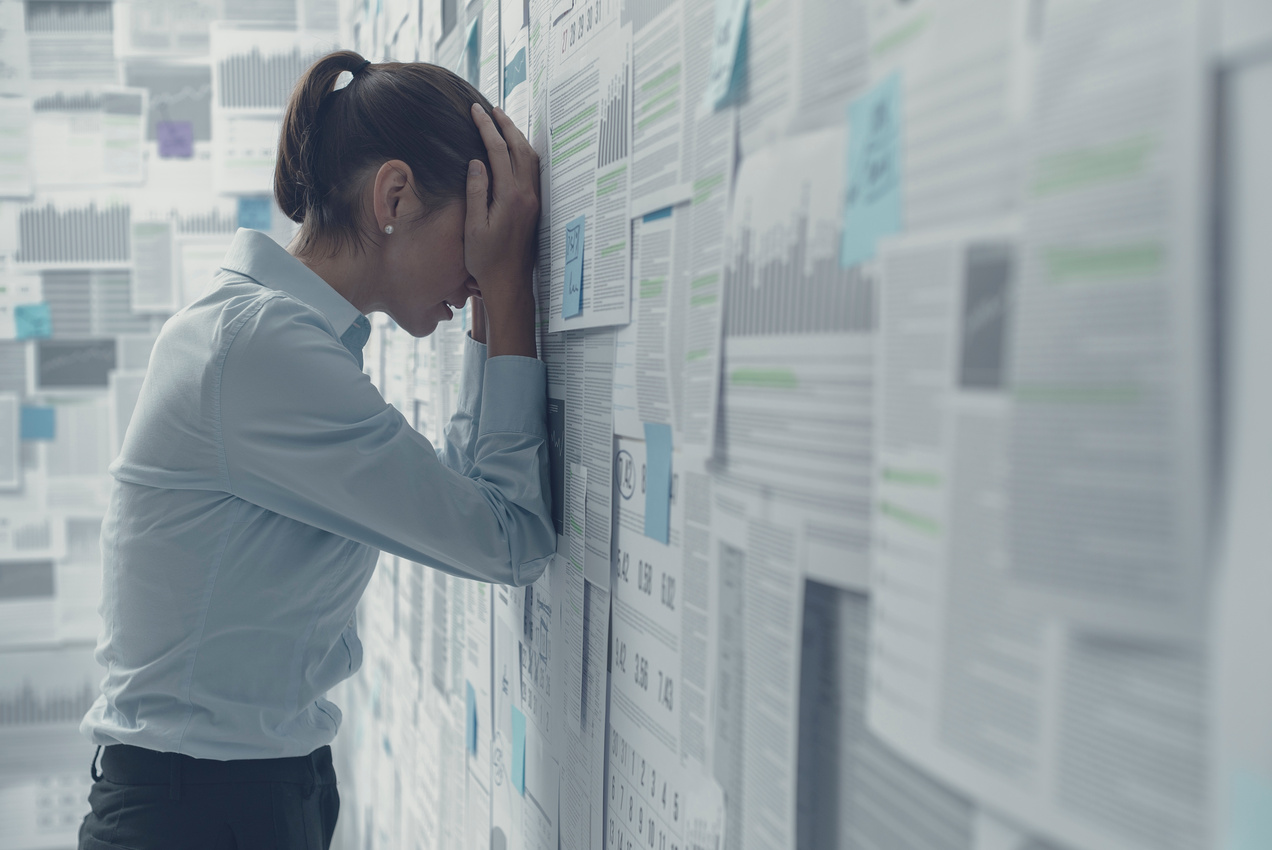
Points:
x=259, y=257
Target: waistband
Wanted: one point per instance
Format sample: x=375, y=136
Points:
x=125, y=764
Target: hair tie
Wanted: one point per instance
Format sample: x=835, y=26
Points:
x=361, y=67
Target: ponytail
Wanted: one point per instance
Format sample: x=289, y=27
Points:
x=296, y=182
x=332, y=142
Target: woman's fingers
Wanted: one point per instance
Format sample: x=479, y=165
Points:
x=476, y=215
x=496, y=149
x=525, y=162
x=499, y=235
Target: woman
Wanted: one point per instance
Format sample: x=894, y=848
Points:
x=262, y=472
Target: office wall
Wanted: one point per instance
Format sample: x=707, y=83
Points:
x=904, y=408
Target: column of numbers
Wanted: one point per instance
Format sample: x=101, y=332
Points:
x=645, y=803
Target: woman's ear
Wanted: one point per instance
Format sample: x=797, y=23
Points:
x=393, y=198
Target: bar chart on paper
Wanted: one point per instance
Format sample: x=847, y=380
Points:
x=24, y=704
x=797, y=388
x=59, y=233
x=261, y=80
x=45, y=693
x=70, y=41
x=612, y=136
x=777, y=283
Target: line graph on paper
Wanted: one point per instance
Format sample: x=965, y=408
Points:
x=178, y=92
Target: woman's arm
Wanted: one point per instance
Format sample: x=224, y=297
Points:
x=302, y=432
x=458, y=450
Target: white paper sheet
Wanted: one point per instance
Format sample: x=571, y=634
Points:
x=247, y=107
x=1110, y=482
x=659, y=160
x=16, y=169
x=755, y=550
x=88, y=136
x=1014, y=710
x=642, y=374
x=805, y=58
x=854, y=791
x=795, y=403
x=589, y=167
x=588, y=439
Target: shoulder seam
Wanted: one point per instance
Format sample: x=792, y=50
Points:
x=235, y=327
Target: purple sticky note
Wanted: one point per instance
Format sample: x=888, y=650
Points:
x=176, y=139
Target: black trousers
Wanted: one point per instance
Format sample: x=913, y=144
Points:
x=143, y=799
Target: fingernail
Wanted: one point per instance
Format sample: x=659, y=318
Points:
x=474, y=168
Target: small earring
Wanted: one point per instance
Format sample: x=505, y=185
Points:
x=388, y=228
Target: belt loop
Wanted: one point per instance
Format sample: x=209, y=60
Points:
x=174, y=776
x=92, y=765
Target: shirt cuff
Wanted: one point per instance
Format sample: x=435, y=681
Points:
x=514, y=396
x=471, y=376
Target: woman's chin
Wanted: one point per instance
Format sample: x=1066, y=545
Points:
x=424, y=328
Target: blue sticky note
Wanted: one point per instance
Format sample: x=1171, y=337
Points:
x=515, y=72
x=253, y=212
x=176, y=139
x=518, y=766
x=572, y=301
x=657, y=481
x=665, y=212
x=471, y=732
x=726, y=82
x=33, y=321
x=873, y=198
x=38, y=423
x=1250, y=824
x=472, y=53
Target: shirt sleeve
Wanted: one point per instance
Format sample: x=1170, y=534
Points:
x=305, y=434
x=458, y=451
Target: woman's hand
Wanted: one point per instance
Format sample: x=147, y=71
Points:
x=499, y=236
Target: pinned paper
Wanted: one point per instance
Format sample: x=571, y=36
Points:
x=657, y=481
x=728, y=53
x=253, y=212
x=572, y=301
x=515, y=72
x=1250, y=826
x=176, y=139
x=471, y=731
x=38, y=423
x=873, y=205
x=32, y=321
x=518, y=766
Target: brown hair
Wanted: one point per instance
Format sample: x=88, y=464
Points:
x=332, y=142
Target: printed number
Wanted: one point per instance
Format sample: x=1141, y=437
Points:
x=665, y=690
x=645, y=578
x=669, y=591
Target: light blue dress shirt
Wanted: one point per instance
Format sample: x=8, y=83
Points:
x=260, y=476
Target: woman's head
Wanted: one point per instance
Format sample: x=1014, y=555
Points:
x=393, y=145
